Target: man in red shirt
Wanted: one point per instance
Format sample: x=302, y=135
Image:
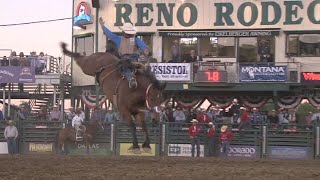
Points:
x=245, y=120
x=225, y=138
x=211, y=139
x=194, y=132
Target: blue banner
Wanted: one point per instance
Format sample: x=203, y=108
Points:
x=17, y=74
x=263, y=73
x=241, y=151
x=288, y=152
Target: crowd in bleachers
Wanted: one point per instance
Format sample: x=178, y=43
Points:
x=37, y=61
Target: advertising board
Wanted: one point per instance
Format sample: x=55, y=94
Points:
x=183, y=150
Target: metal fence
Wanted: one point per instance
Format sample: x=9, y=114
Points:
x=172, y=139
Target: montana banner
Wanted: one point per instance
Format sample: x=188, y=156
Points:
x=183, y=150
x=17, y=74
x=263, y=73
x=242, y=151
x=171, y=71
x=288, y=152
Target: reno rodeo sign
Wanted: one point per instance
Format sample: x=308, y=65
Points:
x=204, y=13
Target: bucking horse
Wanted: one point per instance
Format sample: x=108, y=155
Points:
x=130, y=103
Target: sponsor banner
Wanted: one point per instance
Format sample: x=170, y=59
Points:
x=94, y=149
x=233, y=33
x=310, y=77
x=263, y=73
x=288, y=152
x=46, y=148
x=17, y=74
x=183, y=150
x=3, y=148
x=242, y=151
x=125, y=150
x=171, y=71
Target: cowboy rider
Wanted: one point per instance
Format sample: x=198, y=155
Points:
x=127, y=45
x=77, y=121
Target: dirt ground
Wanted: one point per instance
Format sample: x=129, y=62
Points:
x=31, y=167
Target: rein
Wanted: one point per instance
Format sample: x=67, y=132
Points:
x=98, y=72
x=147, y=96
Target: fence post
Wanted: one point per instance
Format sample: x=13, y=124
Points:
x=264, y=140
x=317, y=141
x=163, y=138
x=112, y=138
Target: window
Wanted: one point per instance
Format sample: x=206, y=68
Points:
x=303, y=45
x=256, y=49
x=84, y=45
x=223, y=47
x=186, y=45
x=147, y=39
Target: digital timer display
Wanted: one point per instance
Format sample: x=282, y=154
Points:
x=211, y=76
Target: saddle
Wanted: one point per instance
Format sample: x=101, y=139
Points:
x=80, y=130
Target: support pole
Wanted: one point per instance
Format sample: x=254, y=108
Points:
x=4, y=102
x=54, y=95
x=9, y=99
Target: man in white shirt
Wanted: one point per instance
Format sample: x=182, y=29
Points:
x=77, y=122
x=11, y=134
x=82, y=115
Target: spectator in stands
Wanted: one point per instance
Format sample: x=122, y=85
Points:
x=273, y=119
x=110, y=116
x=211, y=138
x=235, y=111
x=13, y=59
x=43, y=63
x=1, y=115
x=175, y=52
x=146, y=58
x=179, y=115
x=23, y=60
x=245, y=120
x=23, y=113
x=97, y=115
x=194, y=132
x=283, y=118
x=225, y=138
x=11, y=135
x=55, y=115
x=191, y=57
x=43, y=113
x=163, y=115
x=255, y=116
x=203, y=117
x=4, y=61
x=35, y=62
x=309, y=120
x=70, y=115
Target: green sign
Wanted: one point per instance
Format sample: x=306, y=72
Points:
x=94, y=149
x=166, y=13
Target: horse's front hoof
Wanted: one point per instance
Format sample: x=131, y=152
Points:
x=147, y=150
x=136, y=151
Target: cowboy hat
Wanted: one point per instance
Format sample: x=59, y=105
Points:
x=254, y=109
x=128, y=28
x=210, y=123
x=242, y=108
x=224, y=128
x=194, y=120
x=10, y=121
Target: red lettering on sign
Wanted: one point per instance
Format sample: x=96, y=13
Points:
x=311, y=76
x=213, y=76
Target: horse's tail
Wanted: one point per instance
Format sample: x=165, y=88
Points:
x=67, y=52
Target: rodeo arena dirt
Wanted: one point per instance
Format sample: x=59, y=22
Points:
x=172, y=90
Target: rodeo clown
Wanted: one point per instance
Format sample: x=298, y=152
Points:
x=225, y=138
x=128, y=45
x=77, y=122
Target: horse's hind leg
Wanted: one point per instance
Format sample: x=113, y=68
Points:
x=140, y=119
x=135, y=146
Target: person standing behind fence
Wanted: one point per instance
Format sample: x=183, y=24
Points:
x=194, y=132
x=211, y=139
x=225, y=138
x=11, y=135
